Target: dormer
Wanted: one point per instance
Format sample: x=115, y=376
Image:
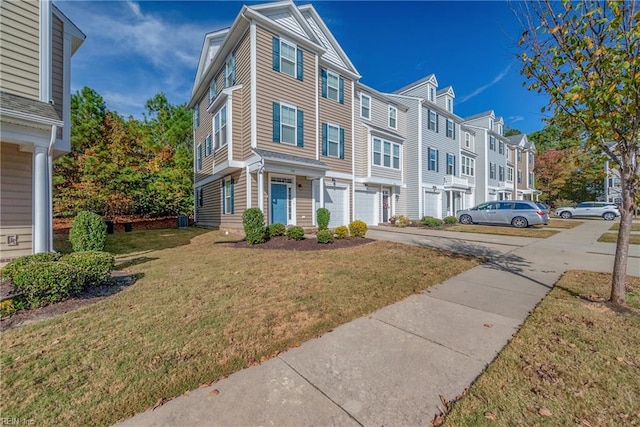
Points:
x=210, y=47
x=445, y=98
x=425, y=88
x=499, y=126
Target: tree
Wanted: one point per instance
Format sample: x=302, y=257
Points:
x=509, y=131
x=551, y=175
x=586, y=57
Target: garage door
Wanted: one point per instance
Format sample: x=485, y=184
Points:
x=335, y=199
x=431, y=204
x=365, y=201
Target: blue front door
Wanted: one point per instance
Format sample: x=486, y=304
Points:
x=279, y=204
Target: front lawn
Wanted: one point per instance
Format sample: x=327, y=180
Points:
x=564, y=223
x=634, y=239
x=575, y=361
x=504, y=230
x=635, y=226
x=199, y=311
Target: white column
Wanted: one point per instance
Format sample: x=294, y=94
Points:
x=40, y=201
x=261, y=190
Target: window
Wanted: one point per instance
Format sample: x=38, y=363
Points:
x=432, y=94
x=196, y=115
x=451, y=164
x=500, y=173
x=213, y=90
x=492, y=143
x=519, y=177
x=509, y=173
x=530, y=158
x=230, y=71
x=220, y=127
x=365, y=106
x=492, y=170
x=288, y=124
x=468, y=166
x=433, y=159
x=519, y=155
x=451, y=129
x=396, y=156
x=450, y=105
x=377, y=152
x=500, y=129
x=207, y=145
x=332, y=141
x=287, y=58
x=490, y=124
x=393, y=117
x=332, y=86
x=530, y=180
x=227, y=196
x=386, y=154
x=501, y=147
x=199, y=157
x=467, y=140
x=433, y=121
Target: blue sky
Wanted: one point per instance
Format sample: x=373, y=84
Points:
x=135, y=49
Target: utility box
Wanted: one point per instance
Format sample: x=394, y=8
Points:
x=183, y=221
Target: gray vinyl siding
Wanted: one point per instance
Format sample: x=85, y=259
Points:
x=333, y=112
x=20, y=48
x=444, y=145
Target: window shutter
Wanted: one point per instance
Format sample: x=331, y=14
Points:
x=275, y=43
x=324, y=83
x=437, y=123
x=300, y=64
x=232, y=201
x=342, y=143
x=324, y=139
x=437, y=160
x=341, y=91
x=276, y=122
x=454, y=130
x=233, y=68
x=300, y=138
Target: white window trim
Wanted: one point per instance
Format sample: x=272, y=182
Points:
x=395, y=119
x=226, y=195
x=468, y=167
x=337, y=88
x=429, y=151
x=218, y=115
x=199, y=155
x=228, y=72
x=362, y=95
x=391, y=156
x=453, y=128
x=453, y=165
x=295, y=58
x=333, y=125
x=295, y=124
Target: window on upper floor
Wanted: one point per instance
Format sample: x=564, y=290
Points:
x=332, y=86
x=365, y=106
x=227, y=196
x=501, y=147
x=196, y=115
x=530, y=183
x=450, y=105
x=199, y=157
x=468, y=166
x=332, y=141
x=492, y=143
x=220, y=127
x=433, y=160
x=519, y=177
x=492, y=170
x=393, y=117
x=451, y=164
x=451, y=129
x=207, y=145
x=287, y=58
x=467, y=140
x=530, y=158
x=500, y=129
x=230, y=71
x=490, y=124
x=386, y=154
x=213, y=90
x=519, y=155
x=288, y=124
x=432, y=94
x=509, y=174
x=433, y=121
x=500, y=173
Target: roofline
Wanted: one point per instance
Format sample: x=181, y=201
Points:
x=30, y=117
x=418, y=83
x=366, y=88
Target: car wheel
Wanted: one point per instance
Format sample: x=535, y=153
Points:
x=520, y=222
x=565, y=214
x=466, y=219
x=609, y=216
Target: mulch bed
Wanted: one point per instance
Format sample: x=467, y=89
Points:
x=61, y=226
x=306, y=244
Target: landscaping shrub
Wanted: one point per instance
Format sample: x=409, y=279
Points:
x=9, y=270
x=94, y=268
x=295, y=233
x=450, y=220
x=341, y=232
x=325, y=236
x=324, y=216
x=88, y=232
x=401, y=221
x=358, y=228
x=275, y=230
x=563, y=203
x=7, y=308
x=45, y=282
x=430, y=221
x=254, y=229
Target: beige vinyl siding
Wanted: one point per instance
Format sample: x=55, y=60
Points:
x=361, y=149
x=337, y=114
x=304, y=202
x=19, y=48
x=234, y=220
x=16, y=195
x=201, y=132
x=254, y=190
x=209, y=214
x=273, y=86
x=242, y=101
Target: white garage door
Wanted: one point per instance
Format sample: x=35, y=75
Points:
x=431, y=204
x=335, y=199
x=365, y=201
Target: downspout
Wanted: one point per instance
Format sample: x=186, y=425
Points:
x=52, y=143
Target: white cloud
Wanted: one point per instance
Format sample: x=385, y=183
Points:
x=514, y=119
x=482, y=88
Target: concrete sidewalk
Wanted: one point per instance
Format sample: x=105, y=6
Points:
x=390, y=368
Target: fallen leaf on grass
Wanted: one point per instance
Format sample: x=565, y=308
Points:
x=585, y=422
x=544, y=412
x=214, y=392
x=159, y=403
x=490, y=416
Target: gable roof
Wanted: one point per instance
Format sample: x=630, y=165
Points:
x=488, y=113
x=381, y=96
x=431, y=78
x=446, y=91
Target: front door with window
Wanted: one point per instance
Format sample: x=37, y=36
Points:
x=385, y=206
x=279, y=203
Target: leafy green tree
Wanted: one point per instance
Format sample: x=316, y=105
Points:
x=509, y=131
x=585, y=56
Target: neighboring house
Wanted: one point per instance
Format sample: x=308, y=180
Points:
x=380, y=132
x=36, y=45
x=612, y=184
x=524, y=153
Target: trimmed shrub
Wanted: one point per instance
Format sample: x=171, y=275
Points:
x=325, y=236
x=94, y=268
x=563, y=203
x=9, y=270
x=275, y=230
x=324, y=216
x=7, y=308
x=254, y=229
x=45, y=282
x=88, y=232
x=450, y=220
x=401, y=221
x=430, y=221
x=358, y=228
x=295, y=233
x=341, y=232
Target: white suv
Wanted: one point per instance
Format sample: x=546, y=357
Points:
x=608, y=211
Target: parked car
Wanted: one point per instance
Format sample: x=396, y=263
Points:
x=519, y=213
x=608, y=211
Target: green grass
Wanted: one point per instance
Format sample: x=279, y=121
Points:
x=199, y=311
x=613, y=238
x=576, y=358
x=504, y=230
x=563, y=223
x=635, y=226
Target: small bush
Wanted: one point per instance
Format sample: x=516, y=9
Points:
x=563, y=203
x=9, y=270
x=430, y=221
x=450, y=220
x=324, y=216
x=46, y=282
x=295, y=233
x=254, y=229
x=94, y=268
x=341, y=232
x=275, y=230
x=88, y=232
x=7, y=308
x=325, y=236
x=358, y=228
x=401, y=221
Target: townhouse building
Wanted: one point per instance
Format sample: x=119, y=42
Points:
x=36, y=44
x=523, y=163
